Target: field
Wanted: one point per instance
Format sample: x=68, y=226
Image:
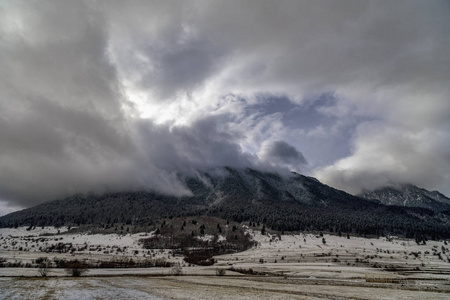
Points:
x=291, y=266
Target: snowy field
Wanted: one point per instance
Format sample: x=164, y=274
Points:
x=24, y=246
x=302, y=266
x=202, y=288
x=314, y=255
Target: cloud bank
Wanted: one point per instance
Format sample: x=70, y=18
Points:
x=107, y=95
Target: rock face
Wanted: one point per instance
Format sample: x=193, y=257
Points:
x=290, y=202
x=408, y=195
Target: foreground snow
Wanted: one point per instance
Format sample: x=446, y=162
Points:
x=82, y=289
x=202, y=288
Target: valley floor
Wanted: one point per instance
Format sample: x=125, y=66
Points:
x=204, y=287
x=301, y=266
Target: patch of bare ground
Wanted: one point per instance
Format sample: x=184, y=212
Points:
x=312, y=289
x=440, y=286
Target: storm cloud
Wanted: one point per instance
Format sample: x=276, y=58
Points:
x=281, y=152
x=109, y=95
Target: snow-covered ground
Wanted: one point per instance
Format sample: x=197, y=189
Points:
x=37, y=231
x=68, y=289
x=291, y=266
x=203, y=288
x=22, y=245
x=39, y=240
x=338, y=257
x=291, y=254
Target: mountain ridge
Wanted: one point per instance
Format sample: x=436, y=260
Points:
x=294, y=202
x=408, y=195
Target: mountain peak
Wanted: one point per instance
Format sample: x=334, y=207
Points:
x=408, y=195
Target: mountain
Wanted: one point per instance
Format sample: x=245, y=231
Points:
x=409, y=195
x=294, y=202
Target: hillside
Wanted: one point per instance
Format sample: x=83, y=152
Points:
x=409, y=195
x=282, y=203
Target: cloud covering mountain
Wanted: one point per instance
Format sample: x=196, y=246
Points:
x=109, y=95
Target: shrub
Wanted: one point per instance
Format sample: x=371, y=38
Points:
x=44, y=264
x=246, y=271
x=176, y=270
x=41, y=259
x=220, y=272
x=76, y=268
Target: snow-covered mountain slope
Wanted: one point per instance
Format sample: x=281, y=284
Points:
x=409, y=195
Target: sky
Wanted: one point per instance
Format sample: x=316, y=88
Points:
x=101, y=96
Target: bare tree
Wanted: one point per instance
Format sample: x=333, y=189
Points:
x=43, y=267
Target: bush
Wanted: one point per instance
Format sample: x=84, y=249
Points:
x=40, y=260
x=221, y=272
x=76, y=268
x=246, y=271
x=44, y=264
x=176, y=270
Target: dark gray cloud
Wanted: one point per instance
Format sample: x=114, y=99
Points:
x=104, y=95
x=203, y=144
x=62, y=126
x=281, y=152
